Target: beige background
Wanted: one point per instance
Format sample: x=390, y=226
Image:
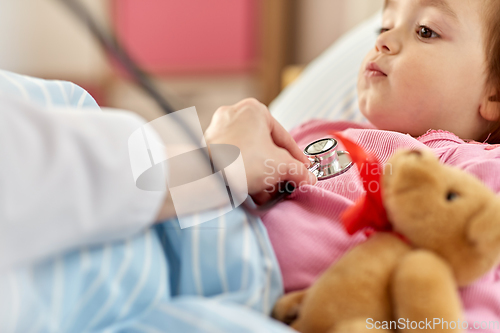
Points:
x=321, y=22
x=41, y=38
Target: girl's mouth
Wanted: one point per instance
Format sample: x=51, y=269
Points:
x=373, y=70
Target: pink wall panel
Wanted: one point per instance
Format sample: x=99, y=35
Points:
x=179, y=36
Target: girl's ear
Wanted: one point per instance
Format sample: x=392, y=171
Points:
x=490, y=107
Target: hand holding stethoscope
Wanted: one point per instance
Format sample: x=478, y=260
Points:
x=268, y=150
x=271, y=155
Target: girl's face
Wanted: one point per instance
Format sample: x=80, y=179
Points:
x=427, y=69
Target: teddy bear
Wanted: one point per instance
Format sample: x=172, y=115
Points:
x=442, y=233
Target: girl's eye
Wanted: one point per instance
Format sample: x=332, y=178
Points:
x=426, y=33
x=382, y=30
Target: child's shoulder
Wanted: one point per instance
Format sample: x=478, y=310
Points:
x=379, y=142
x=438, y=138
x=321, y=125
x=384, y=142
x=443, y=139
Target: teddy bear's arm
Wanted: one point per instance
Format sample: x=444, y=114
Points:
x=349, y=293
x=286, y=309
x=424, y=290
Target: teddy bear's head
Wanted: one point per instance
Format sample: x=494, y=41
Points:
x=445, y=210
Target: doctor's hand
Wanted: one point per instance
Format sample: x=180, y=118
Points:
x=269, y=153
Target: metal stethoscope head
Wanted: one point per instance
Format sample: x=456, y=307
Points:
x=326, y=160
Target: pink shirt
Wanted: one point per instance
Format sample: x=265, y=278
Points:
x=306, y=232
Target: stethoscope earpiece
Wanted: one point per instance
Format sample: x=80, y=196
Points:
x=326, y=160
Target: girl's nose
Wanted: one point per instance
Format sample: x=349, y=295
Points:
x=388, y=43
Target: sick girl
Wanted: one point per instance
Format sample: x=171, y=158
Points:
x=431, y=81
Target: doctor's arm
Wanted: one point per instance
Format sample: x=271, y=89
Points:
x=65, y=181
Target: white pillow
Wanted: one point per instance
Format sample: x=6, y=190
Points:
x=327, y=87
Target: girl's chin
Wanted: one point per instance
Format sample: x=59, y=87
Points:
x=384, y=122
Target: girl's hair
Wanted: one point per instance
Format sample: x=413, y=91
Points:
x=492, y=42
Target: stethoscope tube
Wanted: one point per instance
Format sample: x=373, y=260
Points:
x=288, y=189
x=112, y=46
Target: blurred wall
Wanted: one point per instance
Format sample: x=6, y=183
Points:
x=41, y=38
x=321, y=22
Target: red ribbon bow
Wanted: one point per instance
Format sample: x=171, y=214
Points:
x=368, y=211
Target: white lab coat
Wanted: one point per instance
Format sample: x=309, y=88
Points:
x=66, y=181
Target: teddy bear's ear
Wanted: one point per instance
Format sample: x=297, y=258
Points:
x=483, y=230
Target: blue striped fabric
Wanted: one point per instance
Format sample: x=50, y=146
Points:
x=44, y=92
x=327, y=87
x=220, y=276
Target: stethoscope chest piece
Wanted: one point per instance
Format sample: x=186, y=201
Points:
x=326, y=160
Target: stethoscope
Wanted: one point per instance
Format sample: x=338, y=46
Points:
x=326, y=160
